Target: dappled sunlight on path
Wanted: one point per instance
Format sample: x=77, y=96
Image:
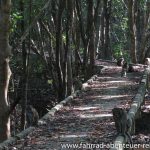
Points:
x=88, y=117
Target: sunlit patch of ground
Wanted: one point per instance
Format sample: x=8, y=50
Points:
x=88, y=117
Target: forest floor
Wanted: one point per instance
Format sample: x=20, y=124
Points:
x=87, y=119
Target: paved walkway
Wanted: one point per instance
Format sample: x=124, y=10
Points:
x=87, y=119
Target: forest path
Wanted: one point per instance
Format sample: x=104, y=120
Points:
x=87, y=119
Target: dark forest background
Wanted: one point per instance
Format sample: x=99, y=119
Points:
x=55, y=44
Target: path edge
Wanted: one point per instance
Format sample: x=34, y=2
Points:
x=51, y=113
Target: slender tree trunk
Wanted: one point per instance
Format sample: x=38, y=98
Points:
x=68, y=41
x=97, y=25
x=65, y=69
x=145, y=35
x=58, y=46
x=107, y=48
x=84, y=37
x=78, y=61
x=102, y=29
x=76, y=41
x=137, y=12
x=91, y=36
x=132, y=30
x=24, y=62
x=5, y=73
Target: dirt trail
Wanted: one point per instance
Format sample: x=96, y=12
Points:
x=87, y=118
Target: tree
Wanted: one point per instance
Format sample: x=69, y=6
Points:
x=132, y=29
x=91, y=36
x=145, y=34
x=138, y=28
x=88, y=27
x=5, y=73
x=69, y=9
x=58, y=49
x=24, y=78
x=107, y=18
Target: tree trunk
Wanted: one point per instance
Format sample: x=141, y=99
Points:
x=132, y=30
x=102, y=55
x=76, y=41
x=91, y=37
x=107, y=14
x=24, y=78
x=97, y=25
x=84, y=37
x=138, y=23
x=5, y=73
x=145, y=35
x=58, y=46
x=68, y=41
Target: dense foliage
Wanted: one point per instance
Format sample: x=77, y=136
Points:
x=55, y=44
